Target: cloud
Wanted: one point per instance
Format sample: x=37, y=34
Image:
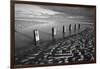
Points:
x=24, y=10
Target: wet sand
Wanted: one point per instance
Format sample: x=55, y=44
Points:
x=74, y=48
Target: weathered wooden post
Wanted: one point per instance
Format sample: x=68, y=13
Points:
x=74, y=27
x=64, y=31
x=69, y=27
x=78, y=26
x=53, y=33
x=36, y=37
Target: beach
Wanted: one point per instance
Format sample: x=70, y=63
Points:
x=54, y=45
x=74, y=48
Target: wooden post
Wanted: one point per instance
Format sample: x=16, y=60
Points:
x=36, y=36
x=53, y=33
x=64, y=31
x=74, y=27
x=69, y=27
x=78, y=26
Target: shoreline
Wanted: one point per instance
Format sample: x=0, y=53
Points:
x=50, y=48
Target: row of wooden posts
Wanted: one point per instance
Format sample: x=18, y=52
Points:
x=36, y=33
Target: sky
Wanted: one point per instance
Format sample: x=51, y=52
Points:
x=28, y=12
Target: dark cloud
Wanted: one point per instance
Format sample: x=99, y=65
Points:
x=72, y=10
